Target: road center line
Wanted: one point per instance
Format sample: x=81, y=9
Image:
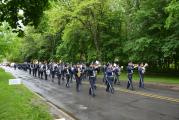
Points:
x=170, y=99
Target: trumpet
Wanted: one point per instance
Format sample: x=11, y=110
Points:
x=146, y=65
x=135, y=65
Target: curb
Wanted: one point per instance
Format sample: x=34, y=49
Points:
x=63, y=113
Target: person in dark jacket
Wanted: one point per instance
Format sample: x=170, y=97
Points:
x=109, y=79
x=91, y=72
x=141, y=71
x=78, y=74
x=130, y=71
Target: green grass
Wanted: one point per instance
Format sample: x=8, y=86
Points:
x=18, y=103
x=152, y=78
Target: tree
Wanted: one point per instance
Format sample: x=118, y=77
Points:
x=9, y=42
x=106, y=30
x=33, y=10
x=90, y=17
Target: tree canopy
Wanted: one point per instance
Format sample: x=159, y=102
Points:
x=33, y=10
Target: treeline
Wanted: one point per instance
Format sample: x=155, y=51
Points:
x=108, y=31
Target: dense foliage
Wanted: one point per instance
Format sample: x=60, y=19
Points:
x=33, y=10
x=9, y=43
x=105, y=30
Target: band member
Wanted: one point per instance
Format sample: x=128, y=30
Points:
x=78, y=77
x=59, y=73
x=45, y=68
x=15, y=66
x=130, y=70
x=109, y=79
x=38, y=69
x=67, y=74
x=34, y=69
x=48, y=71
x=141, y=71
x=41, y=70
x=104, y=73
x=92, y=78
x=71, y=73
x=116, y=70
x=53, y=68
x=83, y=69
x=30, y=66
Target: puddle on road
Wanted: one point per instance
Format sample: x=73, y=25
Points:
x=69, y=93
x=82, y=107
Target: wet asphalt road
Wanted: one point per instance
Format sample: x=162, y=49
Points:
x=105, y=106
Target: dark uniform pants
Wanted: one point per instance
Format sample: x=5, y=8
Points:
x=68, y=80
x=109, y=83
x=78, y=82
x=41, y=74
x=141, y=82
x=45, y=73
x=71, y=77
x=53, y=75
x=92, y=81
x=59, y=78
x=34, y=72
x=129, y=83
x=30, y=70
x=116, y=78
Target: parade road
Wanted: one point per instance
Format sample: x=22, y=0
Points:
x=141, y=104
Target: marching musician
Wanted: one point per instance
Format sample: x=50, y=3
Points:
x=53, y=68
x=116, y=70
x=35, y=69
x=59, y=73
x=110, y=77
x=78, y=74
x=67, y=74
x=92, y=78
x=41, y=70
x=141, y=71
x=38, y=68
x=30, y=68
x=45, y=68
x=130, y=71
x=71, y=73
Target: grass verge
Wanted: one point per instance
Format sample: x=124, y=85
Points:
x=154, y=78
x=18, y=103
x=151, y=78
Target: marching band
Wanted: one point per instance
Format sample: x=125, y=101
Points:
x=79, y=72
